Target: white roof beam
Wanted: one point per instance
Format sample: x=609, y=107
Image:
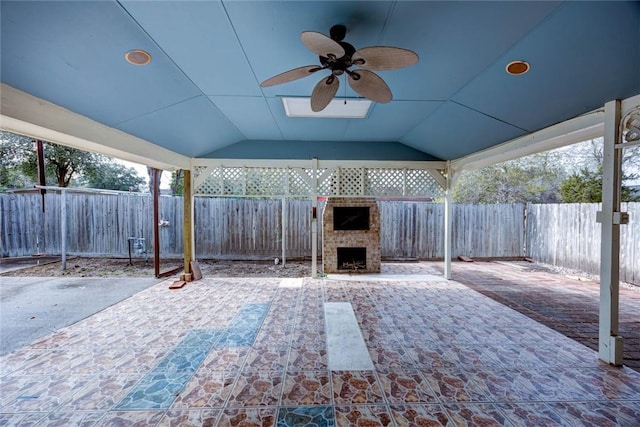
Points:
x=322, y=164
x=582, y=128
x=27, y=115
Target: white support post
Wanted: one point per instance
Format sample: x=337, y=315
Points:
x=609, y=343
x=63, y=228
x=448, y=223
x=314, y=218
x=404, y=182
x=285, y=227
x=193, y=216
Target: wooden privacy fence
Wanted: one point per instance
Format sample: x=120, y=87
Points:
x=568, y=235
x=100, y=225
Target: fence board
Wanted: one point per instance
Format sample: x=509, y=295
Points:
x=99, y=225
x=567, y=235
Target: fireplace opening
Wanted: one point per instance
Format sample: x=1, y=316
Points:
x=352, y=258
x=351, y=218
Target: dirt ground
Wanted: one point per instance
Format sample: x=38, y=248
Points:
x=119, y=267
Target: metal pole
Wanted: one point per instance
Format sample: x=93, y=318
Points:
x=285, y=227
x=41, y=171
x=43, y=182
x=156, y=221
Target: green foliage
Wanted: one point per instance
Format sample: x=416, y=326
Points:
x=113, y=176
x=11, y=174
x=64, y=166
x=585, y=186
x=177, y=182
x=582, y=187
x=533, y=179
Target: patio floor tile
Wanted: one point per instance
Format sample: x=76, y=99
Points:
x=253, y=352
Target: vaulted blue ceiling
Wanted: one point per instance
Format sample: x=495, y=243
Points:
x=201, y=97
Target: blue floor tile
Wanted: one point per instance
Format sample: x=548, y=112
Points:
x=159, y=388
x=155, y=391
x=310, y=416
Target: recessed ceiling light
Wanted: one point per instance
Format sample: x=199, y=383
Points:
x=337, y=108
x=517, y=67
x=138, y=57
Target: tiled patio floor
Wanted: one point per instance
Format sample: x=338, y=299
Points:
x=565, y=304
x=253, y=352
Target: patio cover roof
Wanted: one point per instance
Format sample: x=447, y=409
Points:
x=65, y=78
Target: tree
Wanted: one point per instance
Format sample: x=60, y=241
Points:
x=570, y=174
x=151, y=178
x=64, y=166
x=534, y=179
x=590, y=154
x=177, y=182
x=582, y=187
x=586, y=187
x=113, y=176
x=11, y=174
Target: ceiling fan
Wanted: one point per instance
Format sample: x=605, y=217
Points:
x=338, y=57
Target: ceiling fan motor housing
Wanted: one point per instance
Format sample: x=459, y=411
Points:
x=339, y=65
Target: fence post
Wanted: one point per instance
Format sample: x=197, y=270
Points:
x=285, y=230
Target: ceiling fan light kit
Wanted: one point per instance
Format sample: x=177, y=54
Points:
x=339, y=56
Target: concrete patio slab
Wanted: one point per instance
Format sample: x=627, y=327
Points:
x=31, y=307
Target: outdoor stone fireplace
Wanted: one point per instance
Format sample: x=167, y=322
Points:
x=351, y=236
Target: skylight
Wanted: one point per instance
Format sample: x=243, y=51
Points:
x=337, y=108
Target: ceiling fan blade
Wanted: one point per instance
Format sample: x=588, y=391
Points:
x=370, y=85
x=384, y=58
x=288, y=76
x=324, y=92
x=321, y=44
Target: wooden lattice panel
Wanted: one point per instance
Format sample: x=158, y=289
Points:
x=233, y=181
x=212, y=185
x=266, y=181
x=325, y=181
x=351, y=182
x=298, y=182
x=198, y=170
x=385, y=182
x=420, y=183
